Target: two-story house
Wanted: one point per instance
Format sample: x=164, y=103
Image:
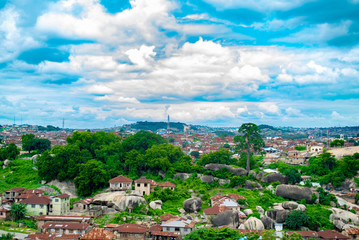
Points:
x=120, y=183
x=65, y=228
x=11, y=193
x=144, y=185
x=37, y=205
x=60, y=204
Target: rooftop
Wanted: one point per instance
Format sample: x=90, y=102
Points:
x=121, y=179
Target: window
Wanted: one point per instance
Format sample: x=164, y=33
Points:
x=56, y=200
x=32, y=205
x=177, y=229
x=41, y=206
x=138, y=185
x=145, y=184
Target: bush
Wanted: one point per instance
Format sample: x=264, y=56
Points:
x=296, y=219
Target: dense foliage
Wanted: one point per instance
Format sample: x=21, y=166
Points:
x=88, y=155
x=18, y=211
x=296, y=219
x=30, y=143
x=9, y=152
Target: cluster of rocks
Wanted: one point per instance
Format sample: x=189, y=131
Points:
x=342, y=219
x=294, y=192
x=204, y=178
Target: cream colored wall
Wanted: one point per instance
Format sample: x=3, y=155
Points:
x=141, y=187
x=60, y=206
x=36, y=209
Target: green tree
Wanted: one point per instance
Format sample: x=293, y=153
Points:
x=142, y=141
x=12, y=151
x=18, y=211
x=213, y=234
x=91, y=178
x=48, y=167
x=296, y=219
x=7, y=236
x=300, y=148
x=222, y=156
x=26, y=140
x=337, y=143
x=249, y=140
x=293, y=175
x=195, y=154
x=40, y=145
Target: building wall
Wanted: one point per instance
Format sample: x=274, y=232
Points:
x=183, y=231
x=129, y=236
x=4, y=215
x=60, y=206
x=37, y=209
x=144, y=188
x=120, y=186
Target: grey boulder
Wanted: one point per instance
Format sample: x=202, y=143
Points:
x=294, y=192
x=268, y=222
x=290, y=205
x=226, y=218
x=192, y=205
x=275, y=177
x=218, y=167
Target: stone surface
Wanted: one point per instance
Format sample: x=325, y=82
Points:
x=218, y=167
x=260, y=210
x=6, y=163
x=253, y=173
x=294, y=192
x=182, y=176
x=271, y=189
x=192, y=205
x=248, y=212
x=118, y=200
x=253, y=224
x=302, y=207
x=157, y=204
x=226, y=218
x=340, y=218
x=277, y=215
x=268, y=222
x=207, y=179
x=65, y=187
x=290, y=205
x=223, y=181
x=34, y=158
x=275, y=177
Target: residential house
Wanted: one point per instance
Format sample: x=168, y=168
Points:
x=164, y=185
x=120, y=183
x=99, y=234
x=130, y=231
x=23, y=196
x=60, y=204
x=5, y=212
x=156, y=233
x=65, y=228
x=331, y=235
x=352, y=233
x=44, y=236
x=37, y=205
x=166, y=217
x=83, y=204
x=43, y=219
x=235, y=197
x=306, y=235
x=37, y=192
x=144, y=185
x=11, y=193
x=178, y=225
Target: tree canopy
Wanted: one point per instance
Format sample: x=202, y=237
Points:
x=249, y=140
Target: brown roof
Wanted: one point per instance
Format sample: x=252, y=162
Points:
x=51, y=236
x=352, y=231
x=233, y=196
x=85, y=201
x=145, y=180
x=216, y=210
x=64, y=195
x=36, y=200
x=165, y=234
x=15, y=189
x=312, y=234
x=131, y=228
x=24, y=196
x=98, y=234
x=121, y=179
x=63, y=218
x=166, y=217
x=166, y=184
x=330, y=234
x=65, y=225
x=33, y=191
x=3, y=209
x=155, y=228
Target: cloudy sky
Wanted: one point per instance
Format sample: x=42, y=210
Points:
x=100, y=63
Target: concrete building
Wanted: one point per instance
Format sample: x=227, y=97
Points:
x=11, y=193
x=144, y=185
x=120, y=183
x=178, y=225
x=36, y=206
x=83, y=205
x=60, y=205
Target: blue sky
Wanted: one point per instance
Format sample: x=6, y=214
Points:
x=100, y=63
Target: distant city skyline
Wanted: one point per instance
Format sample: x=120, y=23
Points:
x=101, y=63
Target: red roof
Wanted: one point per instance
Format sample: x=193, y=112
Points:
x=85, y=201
x=330, y=234
x=131, y=228
x=166, y=184
x=64, y=195
x=166, y=217
x=352, y=231
x=63, y=218
x=36, y=200
x=24, y=196
x=165, y=234
x=155, y=228
x=309, y=234
x=121, y=179
x=98, y=234
x=65, y=225
x=233, y=196
x=216, y=210
x=51, y=236
x=33, y=191
x=145, y=180
x=15, y=189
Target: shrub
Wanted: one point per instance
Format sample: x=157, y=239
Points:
x=296, y=219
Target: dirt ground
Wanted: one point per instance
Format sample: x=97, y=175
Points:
x=340, y=152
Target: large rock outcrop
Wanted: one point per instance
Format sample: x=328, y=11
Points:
x=207, y=179
x=268, y=222
x=65, y=187
x=226, y=218
x=157, y=204
x=182, y=176
x=275, y=177
x=290, y=205
x=278, y=215
x=252, y=223
x=118, y=200
x=294, y=192
x=192, y=205
x=342, y=219
x=218, y=167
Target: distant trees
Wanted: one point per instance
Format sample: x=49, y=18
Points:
x=222, y=156
x=9, y=152
x=30, y=143
x=337, y=143
x=249, y=140
x=195, y=154
x=300, y=148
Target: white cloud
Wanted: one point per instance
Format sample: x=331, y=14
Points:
x=141, y=56
x=336, y=116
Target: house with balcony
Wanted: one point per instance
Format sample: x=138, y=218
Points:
x=120, y=183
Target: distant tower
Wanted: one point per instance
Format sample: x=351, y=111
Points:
x=63, y=123
x=168, y=123
x=328, y=138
